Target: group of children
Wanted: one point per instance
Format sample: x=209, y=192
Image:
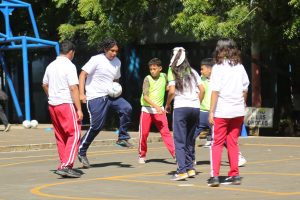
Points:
x=214, y=101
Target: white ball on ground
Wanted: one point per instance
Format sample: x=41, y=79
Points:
x=34, y=123
x=115, y=90
x=26, y=124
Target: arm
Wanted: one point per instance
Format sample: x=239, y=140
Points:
x=82, y=78
x=171, y=94
x=213, y=103
x=45, y=88
x=202, y=92
x=245, y=95
x=75, y=96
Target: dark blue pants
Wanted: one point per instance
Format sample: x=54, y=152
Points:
x=98, y=109
x=185, y=121
x=203, y=124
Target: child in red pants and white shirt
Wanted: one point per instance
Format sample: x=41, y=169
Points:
x=229, y=85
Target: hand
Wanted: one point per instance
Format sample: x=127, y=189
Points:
x=82, y=98
x=211, y=118
x=80, y=115
x=159, y=110
x=168, y=108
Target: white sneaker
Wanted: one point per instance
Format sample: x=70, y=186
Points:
x=242, y=160
x=142, y=160
x=207, y=144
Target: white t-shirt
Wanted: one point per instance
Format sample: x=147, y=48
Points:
x=59, y=75
x=230, y=82
x=190, y=96
x=101, y=74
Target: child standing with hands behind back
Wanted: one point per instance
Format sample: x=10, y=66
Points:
x=152, y=99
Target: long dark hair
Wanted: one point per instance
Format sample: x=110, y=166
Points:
x=226, y=49
x=182, y=73
x=106, y=44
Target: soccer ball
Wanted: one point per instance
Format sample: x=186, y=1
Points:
x=26, y=124
x=115, y=90
x=34, y=123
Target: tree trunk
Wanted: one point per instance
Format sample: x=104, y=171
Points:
x=256, y=74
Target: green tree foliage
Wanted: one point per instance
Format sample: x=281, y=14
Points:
x=123, y=20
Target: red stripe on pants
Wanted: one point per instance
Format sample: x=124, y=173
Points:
x=161, y=123
x=226, y=130
x=67, y=132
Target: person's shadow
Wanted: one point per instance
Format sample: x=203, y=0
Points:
x=118, y=164
x=161, y=160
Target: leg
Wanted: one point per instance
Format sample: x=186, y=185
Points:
x=3, y=116
x=67, y=115
x=145, y=122
x=192, y=122
x=60, y=136
x=161, y=124
x=97, y=109
x=180, y=133
x=219, y=131
x=234, y=129
x=123, y=108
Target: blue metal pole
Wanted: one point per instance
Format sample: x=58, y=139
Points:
x=26, y=78
x=12, y=89
x=36, y=32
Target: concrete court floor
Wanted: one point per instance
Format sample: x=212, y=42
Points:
x=272, y=172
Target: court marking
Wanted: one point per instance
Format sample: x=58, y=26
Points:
x=125, y=178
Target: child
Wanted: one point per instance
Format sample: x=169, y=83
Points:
x=205, y=94
x=229, y=85
x=152, y=99
x=184, y=88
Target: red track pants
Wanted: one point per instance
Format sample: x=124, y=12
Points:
x=67, y=132
x=161, y=123
x=225, y=130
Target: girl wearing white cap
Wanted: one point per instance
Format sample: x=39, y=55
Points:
x=184, y=87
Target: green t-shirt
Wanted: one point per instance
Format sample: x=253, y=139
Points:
x=205, y=104
x=157, y=89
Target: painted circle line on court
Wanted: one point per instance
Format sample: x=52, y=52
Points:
x=125, y=178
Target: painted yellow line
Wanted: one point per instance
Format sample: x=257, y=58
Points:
x=125, y=178
x=91, y=155
x=272, y=145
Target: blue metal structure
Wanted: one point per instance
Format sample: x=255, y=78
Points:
x=9, y=42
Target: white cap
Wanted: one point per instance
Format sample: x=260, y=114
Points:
x=182, y=56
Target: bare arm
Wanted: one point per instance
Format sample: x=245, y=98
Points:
x=202, y=93
x=75, y=96
x=82, y=78
x=213, y=103
x=245, y=95
x=45, y=88
x=171, y=94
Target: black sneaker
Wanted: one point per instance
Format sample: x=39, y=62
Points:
x=124, y=143
x=232, y=180
x=213, y=182
x=84, y=161
x=67, y=172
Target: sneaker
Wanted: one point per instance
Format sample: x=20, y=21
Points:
x=191, y=173
x=142, y=160
x=232, y=180
x=67, y=172
x=242, y=160
x=124, y=143
x=84, y=161
x=207, y=144
x=179, y=176
x=213, y=182
x=7, y=127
